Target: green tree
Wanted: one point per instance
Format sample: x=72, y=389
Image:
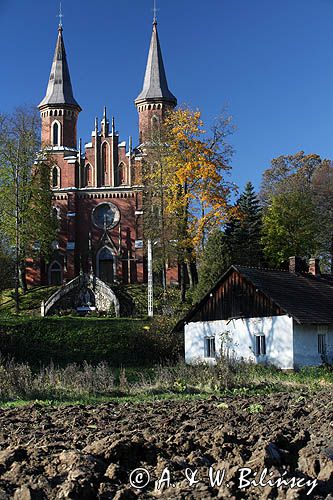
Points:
x=26, y=221
x=216, y=259
x=299, y=180
x=243, y=233
x=290, y=227
x=288, y=172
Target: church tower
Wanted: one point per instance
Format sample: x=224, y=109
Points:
x=155, y=98
x=59, y=110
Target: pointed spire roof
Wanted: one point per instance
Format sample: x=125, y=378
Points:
x=59, y=90
x=155, y=85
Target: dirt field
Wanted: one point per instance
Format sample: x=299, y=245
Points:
x=90, y=452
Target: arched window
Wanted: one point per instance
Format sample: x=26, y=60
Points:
x=56, y=212
x=122, y=174
x=105, y=163
x=56, y=134
x=55, y=176
x=88, y=176
x=55, y=273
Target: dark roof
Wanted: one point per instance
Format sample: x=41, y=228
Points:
x=307, y=298
x=155, y=85
x=59, y=89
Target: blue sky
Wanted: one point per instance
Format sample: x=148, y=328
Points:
x=270, y=61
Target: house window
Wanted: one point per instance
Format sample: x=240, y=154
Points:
x=321, y=343
x=210, y=347
x=322, y=338
x=260, y=345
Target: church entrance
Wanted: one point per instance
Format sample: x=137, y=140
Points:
x=105, y=265
x=55, y=274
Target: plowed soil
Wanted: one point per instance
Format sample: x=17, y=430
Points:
x=88, y=452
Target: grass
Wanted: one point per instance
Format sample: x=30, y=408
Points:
x=30, y=302
x=90, y=384
x=120, y=341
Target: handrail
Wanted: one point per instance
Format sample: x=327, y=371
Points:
x=46, y=306
x=75, y=283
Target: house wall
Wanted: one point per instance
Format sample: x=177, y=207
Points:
x=278, y=331
x=306, y=344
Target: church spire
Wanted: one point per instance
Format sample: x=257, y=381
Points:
x=155, y=86
x=59, y=90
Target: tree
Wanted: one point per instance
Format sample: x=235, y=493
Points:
x=26, y=219
x=290, y=227
x=302, y=181
x=243, y=233
x=322, y=194
x=188, y=188
x=216, y=259
x=287, y=172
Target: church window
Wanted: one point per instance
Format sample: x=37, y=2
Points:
x=105, y=215
x=55, y=177
x=105, y=157
x=56, y=134
x=55, y=113
x=120, y=177
x=56, y=212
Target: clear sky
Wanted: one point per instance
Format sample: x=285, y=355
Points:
x=270, y=61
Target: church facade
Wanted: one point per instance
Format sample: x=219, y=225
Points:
x=97, y=192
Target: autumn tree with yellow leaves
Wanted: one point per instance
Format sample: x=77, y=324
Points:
x=187, y=186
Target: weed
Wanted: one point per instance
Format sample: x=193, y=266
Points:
x=255, y=408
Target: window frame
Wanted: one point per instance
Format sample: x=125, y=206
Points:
x=209, y=347
x=260, y=345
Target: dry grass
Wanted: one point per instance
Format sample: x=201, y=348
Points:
x=18, y=381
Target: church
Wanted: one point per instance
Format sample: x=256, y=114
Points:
x=97, y=191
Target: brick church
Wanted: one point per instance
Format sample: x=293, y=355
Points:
x=97, y=192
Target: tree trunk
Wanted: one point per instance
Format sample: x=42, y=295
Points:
x=182, y=281
x=190, y=274
x=22, y=278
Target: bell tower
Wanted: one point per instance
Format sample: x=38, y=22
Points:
x=155, y=98
x=59, y=110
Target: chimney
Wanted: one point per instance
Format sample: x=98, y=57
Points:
x=314, y=267
x=296, y=265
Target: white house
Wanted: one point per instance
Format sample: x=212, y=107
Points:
x=266, y=316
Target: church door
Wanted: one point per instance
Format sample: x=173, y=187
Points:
x=105, y=265
x=55, y=275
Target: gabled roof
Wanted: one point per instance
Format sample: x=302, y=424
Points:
x=155, y=84
x=307, y=298
x=59, y=90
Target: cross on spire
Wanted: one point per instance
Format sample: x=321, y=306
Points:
x=155, y=10
x=60, y=16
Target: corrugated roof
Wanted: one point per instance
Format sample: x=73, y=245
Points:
x=155, y=84
x=59, y=89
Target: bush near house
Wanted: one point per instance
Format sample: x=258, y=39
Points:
x=68, y=339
